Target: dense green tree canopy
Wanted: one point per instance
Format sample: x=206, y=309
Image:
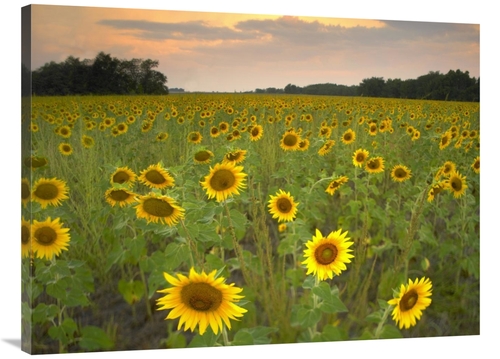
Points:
x=453, y=86
x=104, y=75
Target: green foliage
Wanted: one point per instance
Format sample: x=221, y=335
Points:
x=397, y=233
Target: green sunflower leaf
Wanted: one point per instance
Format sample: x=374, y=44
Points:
x=94, y=339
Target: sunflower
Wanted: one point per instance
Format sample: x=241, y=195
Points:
x=224, y=127
x=25, y=238
x=224, y=180
x=123, y=175
x=475, y=165
x=335, y=184
x=411, y=301
x=445, y=170
x=256, y=133
x=25, y=191
x=326, y=256
x=282, y=227
x=416, y=135
x=195, y=137
x=304, y=144
x=214, y=132
x=201, y=300
x=372, y=130
x=119, y=196
x=282, y=206
x=65, y=148
x=161, y=136
x=49, y=238
x=146, y=126
x=348, y=137
x=290, y=141
x=49, y=192
x=155, y=176
x=236, y=134
x=359, y=157
x=155, y=207
x=445, y=140
x=375, y=165
x=35, y=162
x=203, y=156
x=326, y=148
x=400, y=173
x=436, y=189
x=325, y=131
x=456, y=184
x=236, y=157
x=122, y=128
x=64, y=131
x=87, y=141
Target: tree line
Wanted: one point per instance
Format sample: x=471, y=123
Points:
x=452, y=86
x=103, y=75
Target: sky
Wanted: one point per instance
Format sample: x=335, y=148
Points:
x=481, y=12
x=226, y=52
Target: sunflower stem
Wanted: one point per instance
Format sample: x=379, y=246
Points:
x=380, y=326
x=225, y=337
x=319, y=181
x=237, y=247
x=192, y=245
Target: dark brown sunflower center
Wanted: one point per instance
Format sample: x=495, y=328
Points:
x=157, y=207
x=347, y=137
x=476, y=165
x=25, y=234
x=45, y=236
x=255, y=131
x=326, y=253
x=373, y=165
x=222, y=180
x=444, y=140
x=334, y=184
x=360, y=157
x=284, y=205
x=119, y=195
x=121, y=177
x=25, y=191
x=290, y=140
x=400, y=173
x=201, y=297
x=456, y=184
x=66, y=148
x=46, y=191
x=202, y=156
x=155, y=177
x=408, y=300
x=195, y=137
x=235, y=156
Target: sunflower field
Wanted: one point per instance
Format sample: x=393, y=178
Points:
x=196, y=220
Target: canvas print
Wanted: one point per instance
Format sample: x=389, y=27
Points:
x=195, y=179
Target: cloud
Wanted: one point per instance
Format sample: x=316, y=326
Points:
x=188, y=30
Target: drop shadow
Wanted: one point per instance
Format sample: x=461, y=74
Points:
x=15, y=342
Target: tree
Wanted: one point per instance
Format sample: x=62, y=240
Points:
x=104, y=75
x=372, y=87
